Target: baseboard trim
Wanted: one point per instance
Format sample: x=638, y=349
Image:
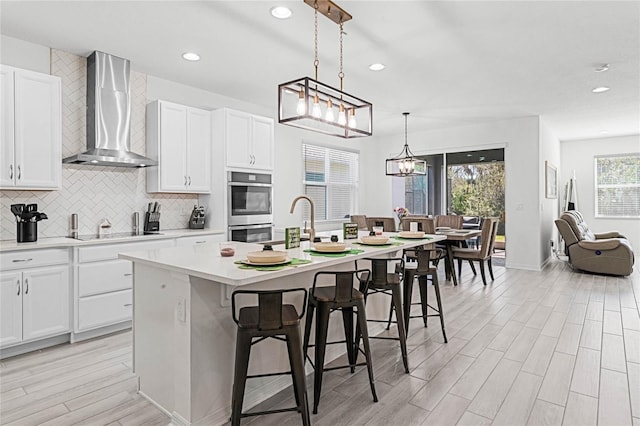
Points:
x=97, y=332
x=23, y=348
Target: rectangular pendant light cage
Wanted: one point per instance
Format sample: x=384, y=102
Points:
x=296, y=108
x=398, y=167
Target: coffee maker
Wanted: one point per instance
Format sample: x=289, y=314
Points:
x=196, y=221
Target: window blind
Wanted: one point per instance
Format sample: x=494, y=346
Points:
x=618, y=186
x=331, y=180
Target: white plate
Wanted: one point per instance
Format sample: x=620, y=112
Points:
x=374, y=244
x=409, y=234
x=313, y=249
x=248, y=262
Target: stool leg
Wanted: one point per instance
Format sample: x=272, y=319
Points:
x=322, y=325
x=243, y=350
x=347, y=320
x=397, y=303
x=436, y=288
x=296, y=358
x=422, y=282
x=390, y=316
x=307, y=330
x=407, y=289
x=291, y=361
x=362, y=326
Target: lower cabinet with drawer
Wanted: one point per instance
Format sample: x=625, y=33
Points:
x=34, y=299
x=104, y=285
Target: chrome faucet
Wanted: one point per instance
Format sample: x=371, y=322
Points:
x=312, y=231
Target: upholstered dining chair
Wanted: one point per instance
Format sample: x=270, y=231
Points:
x=360, y=220
x=489, y=230
x=451, y=221
x=388, y=223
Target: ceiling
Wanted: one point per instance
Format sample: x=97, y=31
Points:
x=449, y=63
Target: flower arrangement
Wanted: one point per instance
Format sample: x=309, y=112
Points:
x=401, y=212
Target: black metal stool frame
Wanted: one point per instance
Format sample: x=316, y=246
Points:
x=270, y=325
x=342, y=299
x=378, y=282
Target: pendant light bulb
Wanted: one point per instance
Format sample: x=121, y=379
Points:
x=353, y=123
x=316, y=112
x=342, y=117
x=329, y=115
x=301, y=108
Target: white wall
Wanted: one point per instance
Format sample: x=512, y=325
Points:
x=579, y=156
x=22, y=54
x=520, y=139
x=549, y=151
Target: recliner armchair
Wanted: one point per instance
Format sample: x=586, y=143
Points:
x=604, y=253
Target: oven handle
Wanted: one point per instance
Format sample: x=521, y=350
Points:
x=264, y=185
x=241, y=227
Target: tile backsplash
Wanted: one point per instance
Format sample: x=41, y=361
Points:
x=94, y=192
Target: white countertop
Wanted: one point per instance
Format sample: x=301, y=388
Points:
x=204, y=260
x=62, y=242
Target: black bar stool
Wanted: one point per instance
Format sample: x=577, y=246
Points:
x=270, y=319
x=424, y=271
x=382, y=281
x=344, y=297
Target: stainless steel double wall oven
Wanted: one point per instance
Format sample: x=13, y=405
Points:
x=250, y=206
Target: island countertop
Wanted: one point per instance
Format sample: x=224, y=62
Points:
x=204, y=261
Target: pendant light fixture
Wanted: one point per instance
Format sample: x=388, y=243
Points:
x=310, y=104
x=405, y=163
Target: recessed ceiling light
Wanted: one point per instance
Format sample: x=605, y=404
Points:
x=191, y=56
x=281, y=12
x=602, y=68
x=600, y=89
x=376, y=67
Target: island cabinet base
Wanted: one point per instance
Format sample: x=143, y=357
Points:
x=184, y=343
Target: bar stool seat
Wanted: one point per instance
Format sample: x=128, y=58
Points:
x=323, y=301
x=270, y=319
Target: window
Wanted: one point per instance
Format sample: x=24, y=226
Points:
x=618, y=186
x=331, y=181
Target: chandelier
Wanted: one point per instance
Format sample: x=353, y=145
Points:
x=310, y=104
x=405, y=163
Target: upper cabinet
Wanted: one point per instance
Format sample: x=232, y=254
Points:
x=30, y=129
x=179, y=137
x=248, y=139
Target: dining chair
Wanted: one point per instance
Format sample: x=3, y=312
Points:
x=451, y=221
x=360, y=220
x=388, y=223
x=489, y=229
x=425, y=224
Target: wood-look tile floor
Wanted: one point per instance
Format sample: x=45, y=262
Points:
x=531, y=348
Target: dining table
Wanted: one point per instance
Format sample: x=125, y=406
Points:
x=456, y=238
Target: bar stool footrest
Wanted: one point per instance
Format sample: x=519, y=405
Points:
x=260, y=413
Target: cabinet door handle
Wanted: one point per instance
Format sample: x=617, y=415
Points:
x=189, y=180
x=18, y=287
x=26, y=283
x=10, y=171
x=127, y=275
x=126, y=305
x=200, y=242
x=19, y=173
x=22, y=260
x=185, y=181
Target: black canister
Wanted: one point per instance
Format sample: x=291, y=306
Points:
x=27, y=232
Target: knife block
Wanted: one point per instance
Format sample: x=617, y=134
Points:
x=151, y=222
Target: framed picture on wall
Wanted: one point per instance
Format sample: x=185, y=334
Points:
x=550, y=180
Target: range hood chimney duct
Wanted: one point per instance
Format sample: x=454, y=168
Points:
x=109, y=115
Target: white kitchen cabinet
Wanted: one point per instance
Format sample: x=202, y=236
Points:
x=179, y=138
x=35, y=304
x=31, y=129
x=248, y=139
x=203, y=239
x=104, y=282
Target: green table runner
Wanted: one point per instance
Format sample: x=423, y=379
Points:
x=326, y=254
x=293, y=263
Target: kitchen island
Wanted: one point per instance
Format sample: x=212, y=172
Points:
x=183, y=334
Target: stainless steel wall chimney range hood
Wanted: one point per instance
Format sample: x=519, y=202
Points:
x=109, y=115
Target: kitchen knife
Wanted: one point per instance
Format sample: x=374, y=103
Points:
x=149, y=208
